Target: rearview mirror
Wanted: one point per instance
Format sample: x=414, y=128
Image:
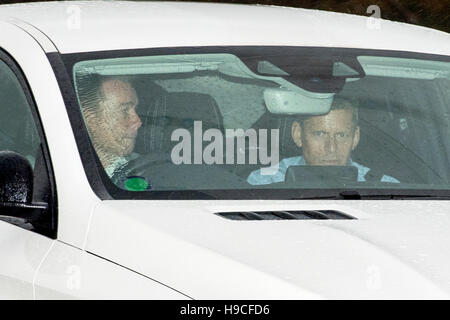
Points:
x=16, y=178
x=16, y=187
x=300, y=102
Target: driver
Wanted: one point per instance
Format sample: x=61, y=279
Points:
x=112, y=121
x=326, y=140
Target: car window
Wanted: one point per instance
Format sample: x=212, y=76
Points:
x=18, y=131
x=268, y=118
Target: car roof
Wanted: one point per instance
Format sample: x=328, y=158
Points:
x=81, y=26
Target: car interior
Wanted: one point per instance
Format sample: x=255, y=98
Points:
x=399, y=135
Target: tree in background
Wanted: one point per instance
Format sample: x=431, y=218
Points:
x=430, y=13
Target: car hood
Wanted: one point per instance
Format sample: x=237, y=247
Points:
x=394, y=249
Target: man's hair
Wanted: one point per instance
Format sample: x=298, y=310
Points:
x=339, y=103
x=89, y=89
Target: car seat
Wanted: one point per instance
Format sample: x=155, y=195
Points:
x=171, y=111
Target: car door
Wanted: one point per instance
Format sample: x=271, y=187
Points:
x=23, y=245
x=47, y=259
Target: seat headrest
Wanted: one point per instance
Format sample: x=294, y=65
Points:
x=176, y=110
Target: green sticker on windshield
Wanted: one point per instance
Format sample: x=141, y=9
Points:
x=136, y=184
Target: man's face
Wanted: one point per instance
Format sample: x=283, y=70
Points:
x=327, y=140
x=115, y=124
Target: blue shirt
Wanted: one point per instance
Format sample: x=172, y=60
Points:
x=256, y=177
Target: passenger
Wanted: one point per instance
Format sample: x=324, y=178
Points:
x=112, y=121
x=326, y=140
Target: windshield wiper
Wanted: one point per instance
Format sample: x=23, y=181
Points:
x=356, y=195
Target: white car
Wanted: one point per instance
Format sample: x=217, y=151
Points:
x=212, y=151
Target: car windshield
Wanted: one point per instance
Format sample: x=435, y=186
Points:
x=260, y=121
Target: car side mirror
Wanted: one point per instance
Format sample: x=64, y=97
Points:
x=16, y=187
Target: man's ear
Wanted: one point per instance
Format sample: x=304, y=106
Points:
x=355, y=138
x=296, y=132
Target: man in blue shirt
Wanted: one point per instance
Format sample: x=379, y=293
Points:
x=326, y=140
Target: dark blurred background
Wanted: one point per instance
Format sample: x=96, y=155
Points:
x=431, y=13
